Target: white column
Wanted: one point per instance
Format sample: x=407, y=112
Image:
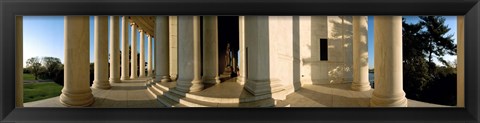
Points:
x=162, y=64
x=142, y=54
x=241, y=41
x=388, y=90
x=149, y=66
x=133, y=54
x=19, y=62
x=125, y=52
x=76, y=88
x=189, y=54
x=460, y=62
x=260, y=38
x=114, y=50
x=360, y=54
x=173, y=30
x=210, y=50
x=101, y=53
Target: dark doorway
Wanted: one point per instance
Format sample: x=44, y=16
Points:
x=227, y=34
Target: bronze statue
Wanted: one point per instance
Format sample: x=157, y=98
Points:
x=227, y=56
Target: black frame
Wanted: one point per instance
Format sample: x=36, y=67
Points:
x=9, y=9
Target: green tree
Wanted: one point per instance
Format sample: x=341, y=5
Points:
x=423, y=79
x=34, y=66
x=52, y=65
x=439, y=44
x=415, y=67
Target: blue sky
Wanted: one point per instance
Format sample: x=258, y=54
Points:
x=43, y=36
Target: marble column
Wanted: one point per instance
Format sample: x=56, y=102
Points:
x=162, y=66
x=149, y=65
x=101, y=53
x=261, y=34
x=125, y=52
x=114, y=50
x=133, y=53
x=173, y=47
x=210, y=50
x=460, y=62
x=241, y=41
x=388, y=90
x=76, y=89
x=19, y=61
x=142, y=54
x=360, y=54
x=189, y=54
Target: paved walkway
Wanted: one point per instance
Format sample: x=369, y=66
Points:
x=128, y=94
x=133, y=94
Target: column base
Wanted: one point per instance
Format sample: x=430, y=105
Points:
x=361, y=86
x=101, y=84
x=189, y=86
x=395, y=101
x=211, y=80
x=115, y=80
x=262, y=87
x=133, y=77
x=165, y=79
x=124, y=78
x=77, y=99
x=142, y=76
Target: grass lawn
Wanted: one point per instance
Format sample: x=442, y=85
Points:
x=27, y=76
x=41, y=90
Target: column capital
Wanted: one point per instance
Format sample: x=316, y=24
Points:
x=132, y=23
x=140, y=30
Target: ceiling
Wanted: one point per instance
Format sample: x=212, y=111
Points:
x=145, y=23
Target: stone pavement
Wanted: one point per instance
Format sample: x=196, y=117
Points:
x=133, y=94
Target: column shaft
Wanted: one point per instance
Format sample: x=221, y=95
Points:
x=173, y=30
x=101, y=53
x=19, y=62
x=125, y=52
x=76, y=89
x=241, y=41
x=210, y=50
x=133, y=54
x=262, y=78
x=142, y=54
x=388, y=63
x=360, y=54
x=162, y=34
x=114, y=50
x=189, y=54
x=149, y=65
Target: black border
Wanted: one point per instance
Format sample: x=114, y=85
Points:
x=9, y=9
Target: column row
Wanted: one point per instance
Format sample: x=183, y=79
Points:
x=76, y=91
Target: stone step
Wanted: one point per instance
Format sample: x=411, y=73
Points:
x=210, y=99
x=257, y=103
x=197, y=103
x=153, y=92
x=172, y=97
x=169, y=102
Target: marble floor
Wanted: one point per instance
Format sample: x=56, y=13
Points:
x=127, y=94
x=133, y=94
